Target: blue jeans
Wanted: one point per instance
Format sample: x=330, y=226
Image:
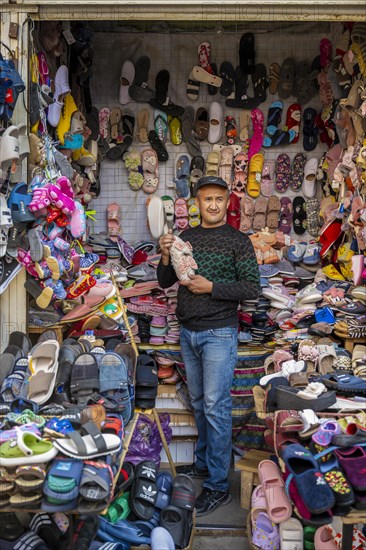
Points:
x=209, y=357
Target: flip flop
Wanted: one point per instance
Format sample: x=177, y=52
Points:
x=227, y=75
x=144, y=490
x=193, y=87
x=142, y=125
x=247, y=53
x=161, y=125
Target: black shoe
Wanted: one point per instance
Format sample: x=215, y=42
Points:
x=192, y=470
x=209, y=500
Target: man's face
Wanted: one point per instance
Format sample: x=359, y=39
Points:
x=213, y=201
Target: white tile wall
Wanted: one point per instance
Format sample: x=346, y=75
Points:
x=178, y=53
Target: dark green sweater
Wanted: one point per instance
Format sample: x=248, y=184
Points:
x=225, y=257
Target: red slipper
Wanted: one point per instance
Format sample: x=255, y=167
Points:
x=293, y=119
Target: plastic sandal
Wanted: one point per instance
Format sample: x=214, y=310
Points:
x=278, y=505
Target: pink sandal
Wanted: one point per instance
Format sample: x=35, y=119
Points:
x=62, y=201
x=256, y=141
x=40, y=199
x=77, y=224
x=279, y=507
x=180, y=209
x=66, y=187
x=24, y=258
x=104, y=122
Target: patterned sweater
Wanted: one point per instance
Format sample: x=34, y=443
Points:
x=225, y=257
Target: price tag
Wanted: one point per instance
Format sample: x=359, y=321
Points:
x=69, y=37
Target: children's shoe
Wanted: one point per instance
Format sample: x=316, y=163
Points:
x=296, y=251
x=42, y=269
x=58, y=290
x=265, y=533
x=312, y=254
x=88, y=261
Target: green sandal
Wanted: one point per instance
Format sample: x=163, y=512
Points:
x=119, y=509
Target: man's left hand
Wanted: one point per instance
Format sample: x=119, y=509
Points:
x=198, y=284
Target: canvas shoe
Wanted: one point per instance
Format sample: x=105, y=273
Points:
x=296, y=251
x=277, y=293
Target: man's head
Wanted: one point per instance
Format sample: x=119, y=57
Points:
x=212, y=195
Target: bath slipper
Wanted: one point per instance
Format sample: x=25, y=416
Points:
x=104, y=122
x=144, y=490
x=255, y=175
x=161, y=125
x=158, y=146
x=260, y=211
x=280, y=137
x=187, y=121
x=256, y=141
x=297, y=171
x=212, y=90
x=267, y=181
x=175, y=129
x=287, y=78
x=227, y=75
x=142, y=125
x=126, y=79
x=260, y=83
x=247, y=53
x=244, y=120
x=273, y=210
x=274, y=77
x=274, y=117
x=241, y=84
x=279, y=508
x=299, y=215
x=293, y=119
x=193, y=87
x=201, y=75
x=204, y=52
x=283, y=172
x=285, y=215
x=310, y=130
x=247, y=213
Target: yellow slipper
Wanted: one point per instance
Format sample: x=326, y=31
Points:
x=175, y=129
x=346, y=270
x=344, y=253
x=255, y=175
x=332, y=273
x=67, y=111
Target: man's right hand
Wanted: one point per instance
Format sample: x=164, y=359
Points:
x=165, y=243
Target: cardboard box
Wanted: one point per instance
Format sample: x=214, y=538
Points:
x=183, y=424
x=182, y=452
x=167, y=400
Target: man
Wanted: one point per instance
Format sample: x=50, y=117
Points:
x=207, y=310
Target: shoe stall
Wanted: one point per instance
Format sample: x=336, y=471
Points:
x=107, y=120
